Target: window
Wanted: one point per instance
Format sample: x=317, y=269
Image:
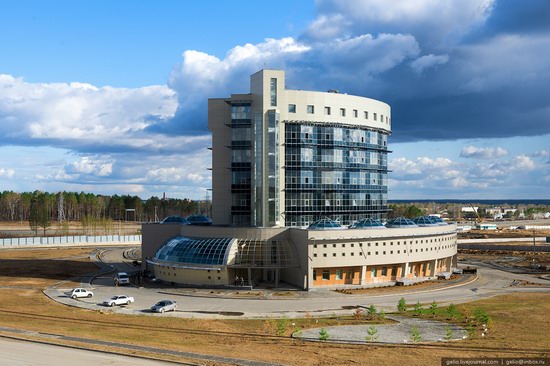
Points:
x=315, y=254
x=355, y=113
x=327, y=111
x=292, y=108
x=384, y=271
x=343, y=254
x=273, y=92
x=314, y=275
x=366, y=115
x=326, y=274
x=374, y=116
x=310, y=109
x=339, y=274
x=342, y=112
x=324, y=255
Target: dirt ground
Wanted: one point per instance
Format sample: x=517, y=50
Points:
x=521, y=260
x=503, y=233
x=518, y=328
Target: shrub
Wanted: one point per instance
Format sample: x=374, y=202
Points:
x=482, y=317
x=382, y=314
x=358, y=314
x=418, y=308
x=372, y=334
x=448, y=333
x=372, y=311
x=451, y=311
x=415, y=334
x=402, y=305
x=281, y=326
x=323, y=334
x=433, y=308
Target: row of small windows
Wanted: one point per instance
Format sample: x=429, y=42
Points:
x=342, y=112
x=391, y=251
x=352, y=245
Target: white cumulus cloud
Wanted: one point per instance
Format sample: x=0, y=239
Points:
x=428, y=61
x=483, y=152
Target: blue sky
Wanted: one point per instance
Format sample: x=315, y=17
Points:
x=110, y=97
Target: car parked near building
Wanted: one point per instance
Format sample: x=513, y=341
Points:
x=118, y=300
x=122, y=278
x=80, y=292
x=164, y=305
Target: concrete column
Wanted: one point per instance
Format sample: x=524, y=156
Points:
x=363, y=275
x=435, y=267
x=406, y=270
x=249, y=276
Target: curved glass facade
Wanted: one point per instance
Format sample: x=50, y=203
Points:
x=195, y=251
x=334, y=171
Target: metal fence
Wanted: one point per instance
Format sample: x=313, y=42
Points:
x=68, y=240
x=515, y=248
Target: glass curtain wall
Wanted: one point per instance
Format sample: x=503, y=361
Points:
x=337, y=172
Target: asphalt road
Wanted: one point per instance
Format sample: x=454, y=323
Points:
x=23, y=353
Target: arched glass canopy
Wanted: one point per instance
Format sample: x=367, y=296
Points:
x=324, y=224
x=401, y=222
x=195, y=251
x=199, y=220
x=175, y=220
x=367, y=224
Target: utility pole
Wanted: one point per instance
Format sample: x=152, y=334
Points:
x=533, y=248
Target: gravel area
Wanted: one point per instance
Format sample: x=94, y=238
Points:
x=430, y=331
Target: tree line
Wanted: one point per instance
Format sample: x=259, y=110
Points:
x=41, y=206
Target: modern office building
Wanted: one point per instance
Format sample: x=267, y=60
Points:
x=291, y=157
x=291, y=170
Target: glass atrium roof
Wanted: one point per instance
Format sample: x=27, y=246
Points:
x=425, y=221
x=175, y=220
x=324, y=224
x=367, y=224
x=438, y=220
x=199, y=220
x=195, y=251
x=401, y=222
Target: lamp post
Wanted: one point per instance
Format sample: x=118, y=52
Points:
x=533, y=248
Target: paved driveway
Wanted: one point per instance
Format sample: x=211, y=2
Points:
x=490, y=282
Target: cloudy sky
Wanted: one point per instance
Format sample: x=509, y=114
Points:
x=110, y=97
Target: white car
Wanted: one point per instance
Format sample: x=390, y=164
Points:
x=80, y=292
x=122, y=278
x=164, y=305
x=119, y=300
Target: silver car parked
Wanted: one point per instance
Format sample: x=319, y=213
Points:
x=164, y=305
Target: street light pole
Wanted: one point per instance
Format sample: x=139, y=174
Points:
x=533, y=248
